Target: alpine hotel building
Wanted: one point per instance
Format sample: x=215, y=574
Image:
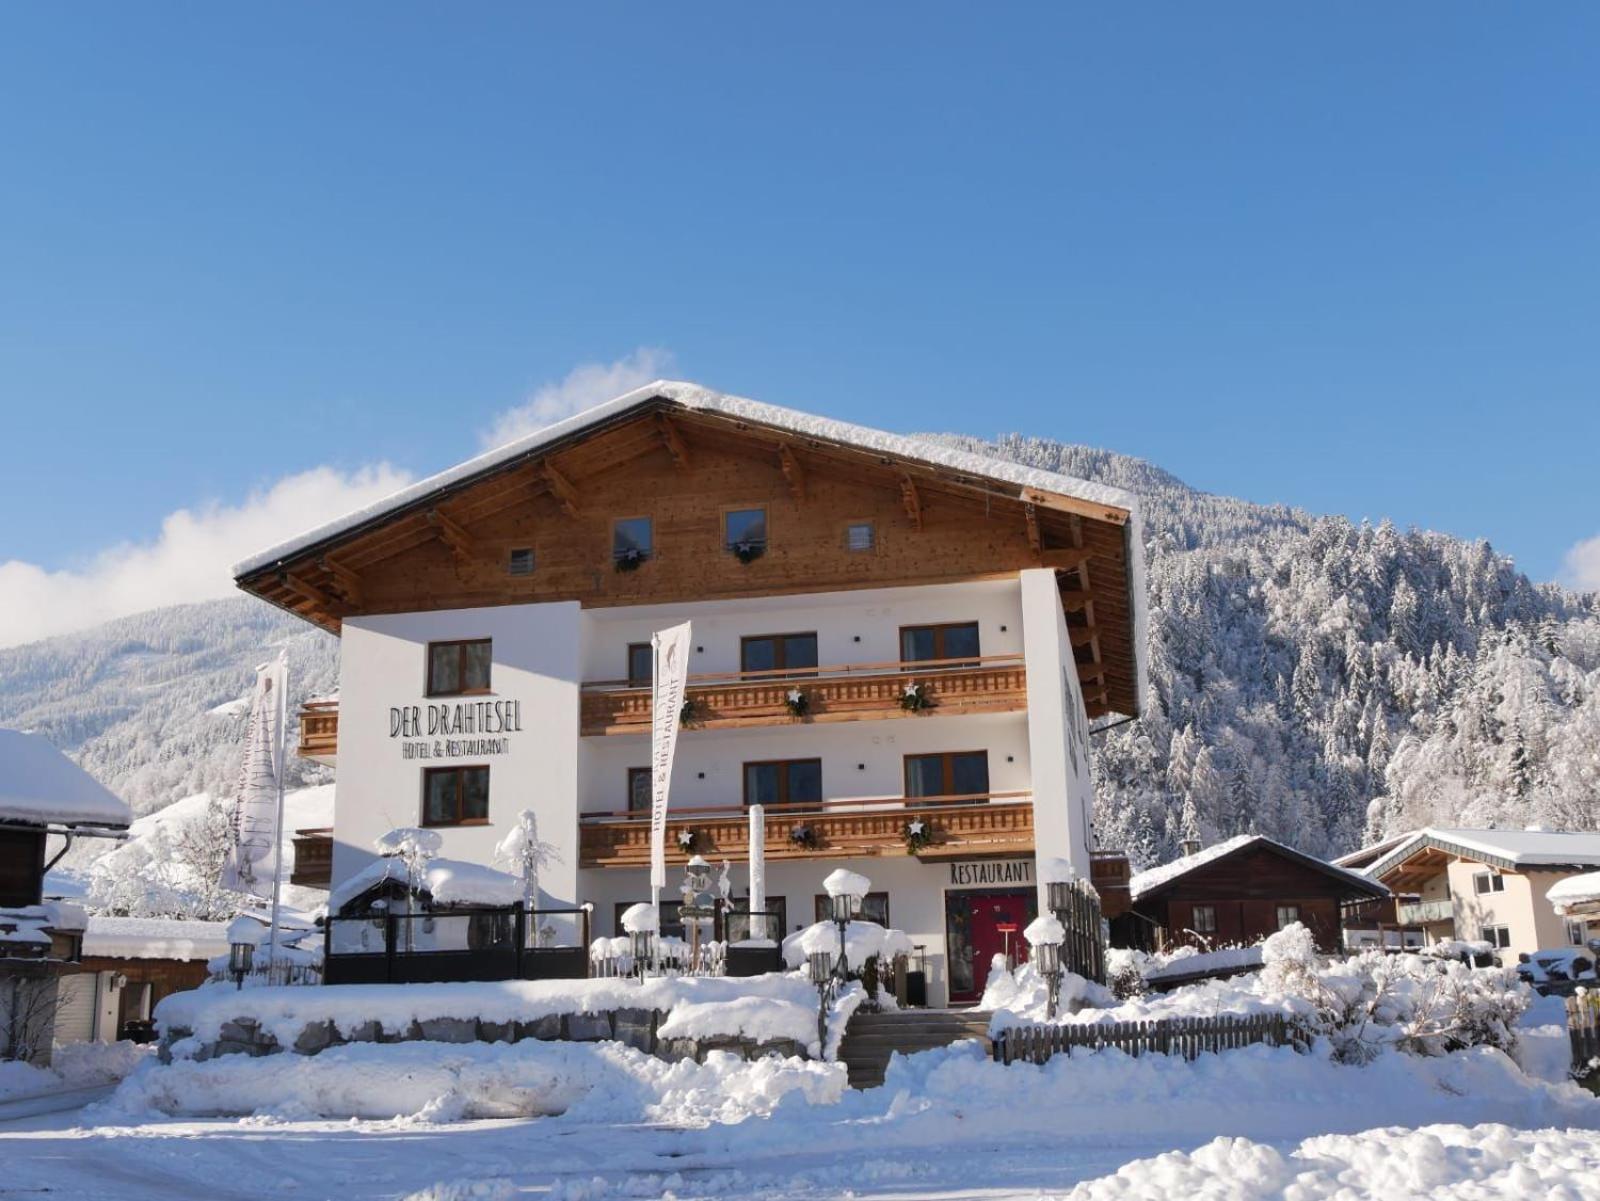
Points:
x=495, y=625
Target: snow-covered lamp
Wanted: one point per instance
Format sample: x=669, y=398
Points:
x=639, y=923
x=846, y=890
x=1045, y=934
x=1059, y=878
x=241, y=955
x=819, y=965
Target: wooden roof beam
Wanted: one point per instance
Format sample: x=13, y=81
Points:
x=1063, y=559
x=912, y=500
x=454, y=535
x=562, y=487
x=673, y=441
x=310, y=594
x=347, y=581
x=1074, y=601
x=792, y=471
x=1030, y=516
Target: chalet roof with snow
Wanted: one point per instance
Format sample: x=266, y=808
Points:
x=41, y=786
x=1429, y=849
x=1156, y=880
x=679, y=454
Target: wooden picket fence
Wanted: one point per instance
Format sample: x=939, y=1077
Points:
x=1187, y=1037
x=1084, y=951
x=1583, y=1029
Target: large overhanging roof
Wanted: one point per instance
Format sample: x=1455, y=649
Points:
x=315, y=561
x=1507, y=850
x=41, y=786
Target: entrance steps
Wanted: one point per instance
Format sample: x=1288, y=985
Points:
x=871, y=1038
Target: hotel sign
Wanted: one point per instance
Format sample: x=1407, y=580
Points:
x=980, y=873
x=447, y=724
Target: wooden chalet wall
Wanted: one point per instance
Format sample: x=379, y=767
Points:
x=21, y=867
x=1245, y=889
x=684, y=469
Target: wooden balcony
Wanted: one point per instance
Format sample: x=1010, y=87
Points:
x=313, y=858
x=958, y=827
x=319, y=731
x=996, y=684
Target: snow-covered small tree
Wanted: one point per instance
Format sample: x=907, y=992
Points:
x=522, y=851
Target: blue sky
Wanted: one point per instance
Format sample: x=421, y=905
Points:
x=1342, y=258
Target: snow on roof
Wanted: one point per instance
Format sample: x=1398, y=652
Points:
x=154, y=938
x=38, y=784
x=448, y=881
x=693, y=396
x=1157, y=877
x=1573, y=891
x=1501, y=848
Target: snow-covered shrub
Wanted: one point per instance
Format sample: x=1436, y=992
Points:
x=1125, y=970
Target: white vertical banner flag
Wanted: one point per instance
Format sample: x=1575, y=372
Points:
x=758, y=871
x=257, y=811
x=669, y=680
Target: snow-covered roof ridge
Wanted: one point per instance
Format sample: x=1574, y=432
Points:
x=1149, y=881
x=696, y=397
x=1501, y=848
x=154, y=938
x=40, y=785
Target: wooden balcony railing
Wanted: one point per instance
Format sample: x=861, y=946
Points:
x=957, y=827
x=994, y=684
x=313, y=858
x=319, y=731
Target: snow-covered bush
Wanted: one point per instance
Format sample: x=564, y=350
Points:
x=1125, y=970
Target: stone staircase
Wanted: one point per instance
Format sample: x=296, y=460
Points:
x=871, y=1038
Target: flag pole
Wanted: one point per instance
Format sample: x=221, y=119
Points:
x=655, y=693
x=277, y=844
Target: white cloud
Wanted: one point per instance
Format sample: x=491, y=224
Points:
x=1581, y=567
x=189, y=561
x=585, y=386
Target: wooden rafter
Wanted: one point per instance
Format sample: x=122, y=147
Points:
x=673, y=441
x=311, y=594
x=1075, y=602
x=1083, y=635
x=1075, y=528
x=347, y=581
x=454, y=535
x=562, y=487
x=1063, y=559
x=792, y=471
x=1030, y=516
x=912, y=500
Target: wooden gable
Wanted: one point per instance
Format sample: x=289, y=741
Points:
x=684, y=469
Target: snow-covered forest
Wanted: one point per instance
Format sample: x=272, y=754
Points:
x=1314, y=680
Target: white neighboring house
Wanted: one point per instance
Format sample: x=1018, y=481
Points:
x=42, y=794
x=1493, y=886
x=495, y=623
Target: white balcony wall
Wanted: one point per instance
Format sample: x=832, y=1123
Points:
x=859, y=626
x=859, y=758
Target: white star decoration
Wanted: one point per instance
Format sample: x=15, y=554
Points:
x=685, y=837
x=795, y=696
x=916, y=827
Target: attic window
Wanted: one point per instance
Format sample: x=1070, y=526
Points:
x=632, y=541
x=521, y=561
x=859, y=536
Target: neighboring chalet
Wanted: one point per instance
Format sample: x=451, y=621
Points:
x=42, y=793
x=496, y=621
x=127, y=965
x=1238, y=892
x=1482, y=885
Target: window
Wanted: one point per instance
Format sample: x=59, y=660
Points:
x=783, y=782
x=1577, y=932
x=948, y=774
x=520, y=561
x=459, y=668
x=778, y=652
x=1288, y=915
x=639, y=790
x=641, y=664
x=631, y=539
x=1488, y=882
x=1205, y=919
x=860, y=536
x=738, y=926
x=491, y=932
x=922, y=643
x=874, y=908
x=455, y=796
x=744, y=527
x=1498, y=937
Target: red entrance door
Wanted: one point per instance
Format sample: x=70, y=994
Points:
x=979, y=926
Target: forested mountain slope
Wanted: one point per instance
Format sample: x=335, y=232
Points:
x=1311, y=678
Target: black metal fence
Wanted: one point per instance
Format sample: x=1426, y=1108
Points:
x=1185, y=1037
x=458, y=945
x=1583, y=1029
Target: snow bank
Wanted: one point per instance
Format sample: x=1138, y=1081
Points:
x=284, y=1011
x=1435, y=1163
x=434, y=1082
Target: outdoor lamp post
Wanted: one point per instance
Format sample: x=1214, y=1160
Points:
x=846, y=890
x=820, y=966
x=698, y=903
x=641, y=951
x=1045, y=935
x=240, y=956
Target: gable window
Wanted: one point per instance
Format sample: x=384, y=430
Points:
x=632, y=539
x=1485, y=882
x=874, y=908
x=641, y=664
x=860, y=536
x=791, y=653
x=956, y=640
x=1498, y=937
x=455, y=796
x=1204, y=920
x=639, y=790
x=948, y=774
x=1288, y=915
x=459, y=668
x=783, y=782
x=520, y=561
x=744, y=531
